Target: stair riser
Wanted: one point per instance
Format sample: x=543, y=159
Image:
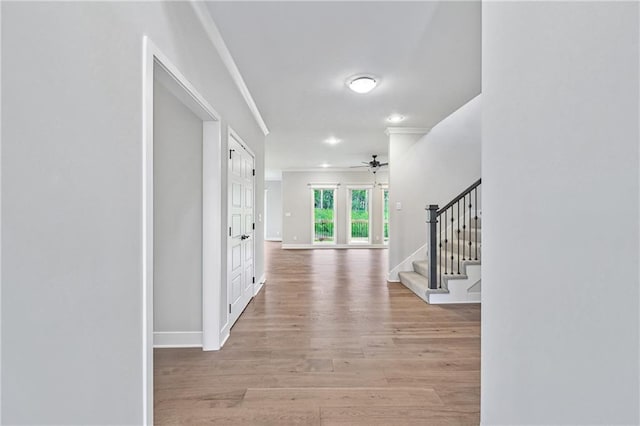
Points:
x=422, y=268
x=470, y=224
x=446, y=258
x=463, y=238
x=469, y=250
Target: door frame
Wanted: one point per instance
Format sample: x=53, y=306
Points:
x=177, y=84
x=226, y=327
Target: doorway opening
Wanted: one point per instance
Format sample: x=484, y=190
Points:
x=200, y=267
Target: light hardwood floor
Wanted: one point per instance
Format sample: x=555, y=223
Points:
x=329, y=342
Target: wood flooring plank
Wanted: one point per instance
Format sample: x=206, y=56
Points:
x=234, y=417
x=329, y=341
x=339, y=397
x=400, y=415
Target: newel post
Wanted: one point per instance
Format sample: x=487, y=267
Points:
x=432, y=237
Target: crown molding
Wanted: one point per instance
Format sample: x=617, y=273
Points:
x=407, y=130
x=214, y=35
x=332, y=169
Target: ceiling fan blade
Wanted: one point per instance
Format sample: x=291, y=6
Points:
x=383, y=164
x=355, y=167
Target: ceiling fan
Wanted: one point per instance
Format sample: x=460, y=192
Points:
x=373, y=165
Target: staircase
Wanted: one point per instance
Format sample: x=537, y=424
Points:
x=454, y=248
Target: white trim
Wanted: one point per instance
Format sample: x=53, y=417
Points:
x=180, y=86
x=407, y=130
x=225, y=337
x=265, y=209
x=177, y=339
x=359, y=186
x=0, y=223
x=279, y=239
x=213, y=32
x=333, y=246
x=211, y=234
x=147, y=232
x=357, y=169
x=236, y=136
x=314, y=185
x=259, y=285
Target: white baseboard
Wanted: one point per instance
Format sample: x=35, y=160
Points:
x=273, y=239
x=177, y=339
x=224, y=339
x=333, y=246
x=258, y=286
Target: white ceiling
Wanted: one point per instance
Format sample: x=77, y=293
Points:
x=295, y=58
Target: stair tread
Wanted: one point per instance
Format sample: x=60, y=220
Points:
x=425, y=263
x=413, y=274
x=414, y=280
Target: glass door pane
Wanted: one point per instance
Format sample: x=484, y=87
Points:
x=385, y=215
x=359, y=216
x=324, y=216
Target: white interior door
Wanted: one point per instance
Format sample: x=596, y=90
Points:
x=241, y=229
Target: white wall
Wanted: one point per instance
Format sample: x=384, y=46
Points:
x=177, y=221
x=72, y=199
x=273, y=210
x=431, y=169
x=560, y=213
x=296, y=200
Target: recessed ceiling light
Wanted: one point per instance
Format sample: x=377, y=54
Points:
x=362, y=84
x=332, y=141
x=325, y=165
x=395, y=118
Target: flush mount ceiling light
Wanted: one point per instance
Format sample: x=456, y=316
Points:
x=395, y=118
x=362, y=83
x=332, y=141
x=325, y=165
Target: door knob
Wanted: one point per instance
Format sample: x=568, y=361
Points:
x=244, y=236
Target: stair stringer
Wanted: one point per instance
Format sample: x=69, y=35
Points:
x=407, y=264
x=459, y=290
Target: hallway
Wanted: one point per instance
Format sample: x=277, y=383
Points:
x=328, y=341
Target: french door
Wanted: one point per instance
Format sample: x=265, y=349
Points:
x=359, y=215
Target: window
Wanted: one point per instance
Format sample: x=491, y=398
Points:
x=359, y=215
x=324, y=216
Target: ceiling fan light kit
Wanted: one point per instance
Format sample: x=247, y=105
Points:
x=374, y=165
